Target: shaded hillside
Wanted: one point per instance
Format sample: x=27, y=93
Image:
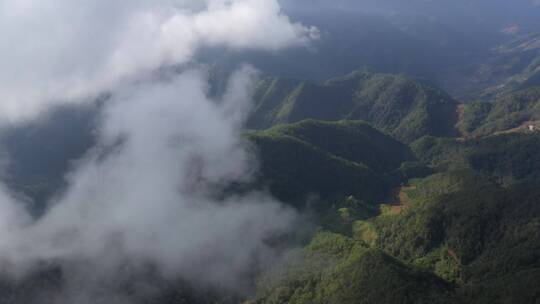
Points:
x=328, y=160
x=41, y=152
x=401, y=106
x=337, y=269
x=507, y=158
x=472, y=233
x=506, y=113
x=460, y=239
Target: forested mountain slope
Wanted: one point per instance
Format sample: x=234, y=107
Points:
x=510, y=112
x=329, y=161
x=458, y=236
x=506, y=158
x=404, y=107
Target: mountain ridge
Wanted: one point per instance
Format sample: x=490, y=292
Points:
x=404, y=107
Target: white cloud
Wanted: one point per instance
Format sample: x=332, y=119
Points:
x=59, y=50
x=152, y=199
x=153, y=195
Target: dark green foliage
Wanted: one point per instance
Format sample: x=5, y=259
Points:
x=341, y=218
x=471, y=232
x=337, y=269
x=409, y=170
x=473, y=116
x=327, y=160
x=353, y=140
x=420, y=228
x=480, y=238
x=440, y=153
x=507, y=158
x=515, y=287
x=504, y=113
x=295, y=170
x=285, y=101
x=405, y=108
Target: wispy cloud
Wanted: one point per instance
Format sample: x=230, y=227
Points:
x=150, y=200
x=58, y=51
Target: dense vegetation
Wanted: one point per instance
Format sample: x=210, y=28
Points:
x=471, y=232
x=404, y=107
x=337, y=269
x=328, y=161
x=460, y=239
x=506, y=158
x=506, y=113
x=466, y=234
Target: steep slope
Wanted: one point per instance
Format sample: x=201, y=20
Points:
x=328, y=160
x=470, y=232
x=405, y=108
x=505, y=158
x=337, y=269
x=510, y=112
x=41, y=152
x=465, y=235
